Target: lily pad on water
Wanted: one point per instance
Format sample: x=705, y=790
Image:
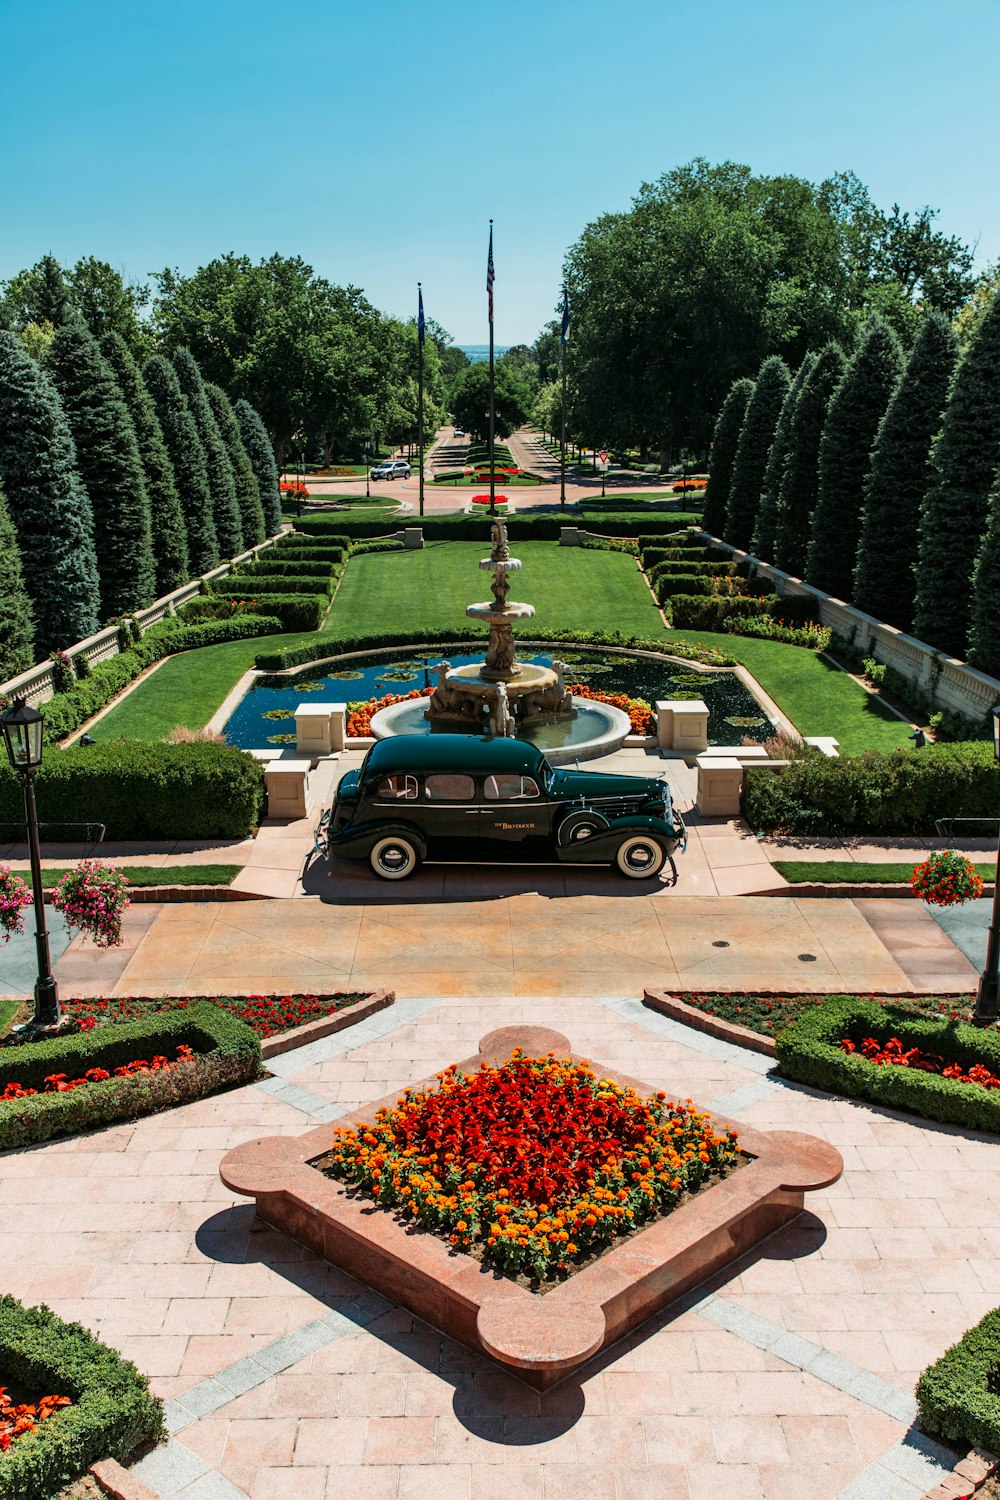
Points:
x=398, y=674
x=278, y=713
x=281, y=739
x=745, y=721
x=317, y=687
x=695, y=679
x=345, y=676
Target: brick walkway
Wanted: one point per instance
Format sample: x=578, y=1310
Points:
x=792, y=1377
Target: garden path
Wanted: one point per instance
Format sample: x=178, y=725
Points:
x=791, y=1375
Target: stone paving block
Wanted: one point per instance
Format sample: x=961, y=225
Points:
x=169, y=1468
x=205, y=1397
x=211, y=1486
x=876, y=1483
x=920, y=1459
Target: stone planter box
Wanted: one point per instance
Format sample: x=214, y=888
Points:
x=541, y=1338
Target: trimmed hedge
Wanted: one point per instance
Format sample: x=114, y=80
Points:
x=323, y=542
x=65, y=712
x=297, y=656
x=228, y=1053
x=296, y=567
x=880, y=792
x=141, y=789
x=683, y=543
x=664, y=567
x=809, y=1051
x=296, y=584
x=113, y=1411
x=700, y=612
x=545, y=528
x=377, y=544
x=958, y=1396
x=294, y=612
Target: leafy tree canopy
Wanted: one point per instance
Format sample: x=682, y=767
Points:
x=470, y=400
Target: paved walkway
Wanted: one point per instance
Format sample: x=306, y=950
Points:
x=791, y=1376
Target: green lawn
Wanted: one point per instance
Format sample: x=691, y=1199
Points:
x=817, y=697
x=8, y=1010
x=571, y=588
x=849, y=872
x=151, y=875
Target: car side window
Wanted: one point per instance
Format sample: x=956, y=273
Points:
x=449, y=788
x=509, y=788
x=398, y=788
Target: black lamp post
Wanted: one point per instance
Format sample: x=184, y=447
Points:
x=22, y=733
x=987, y=1011
x=368, y=476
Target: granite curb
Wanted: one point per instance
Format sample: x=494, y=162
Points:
x=119, y=1483
x=852, y=891
x=351, y=1015
x=726, y=1031
x=973, y=1470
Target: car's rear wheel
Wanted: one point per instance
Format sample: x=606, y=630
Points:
x=580, y=825
x=394, y=857
x=640, y=857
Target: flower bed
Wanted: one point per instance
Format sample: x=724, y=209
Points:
x=58, y=1083
x=540, y=1338
x=769, y=1014
x=110, y=1412
x=892, y=1053
x=640, y=712
x=957, y=1395
x=266, y=1015
x=17, y=1419
x=811, y=1050
x=536, y=1166
x=226, y=1053
x=360, y=714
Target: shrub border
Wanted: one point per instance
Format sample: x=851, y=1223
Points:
x=233, y=1058
x=807, y=1052
x=953, y=1395
x=113, y=1410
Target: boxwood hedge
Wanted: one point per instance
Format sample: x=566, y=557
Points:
x=293, y=567
x=242, y=583
x=228, y=1052
x=881, y=792
x=809, y=1050
x=544, y=528
x=113, y=1411
x=141, y=789
x=690, y=611
x=958, y=1396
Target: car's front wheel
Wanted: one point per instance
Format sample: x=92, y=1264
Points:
x=394, y=858
x=640, y=857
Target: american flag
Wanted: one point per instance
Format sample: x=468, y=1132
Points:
x=489, y=272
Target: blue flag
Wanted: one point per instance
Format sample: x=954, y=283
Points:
x=489, y=272
x=565, y=316
x=421, y=321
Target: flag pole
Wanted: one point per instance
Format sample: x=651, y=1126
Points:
x=420, y=390
x=562, y=456
x=489, y=283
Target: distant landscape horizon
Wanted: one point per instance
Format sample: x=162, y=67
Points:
x=477, y=353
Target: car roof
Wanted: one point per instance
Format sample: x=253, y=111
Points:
x=451, y=752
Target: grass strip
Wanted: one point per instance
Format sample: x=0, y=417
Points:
x=153, y=875
x=851, y=872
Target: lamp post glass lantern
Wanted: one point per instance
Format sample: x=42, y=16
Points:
x=22, y=734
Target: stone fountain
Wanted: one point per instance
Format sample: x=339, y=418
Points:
x=499, y=693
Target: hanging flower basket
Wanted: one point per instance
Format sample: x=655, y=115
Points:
x=14, y=897
x=946, y=879
x=94, y=898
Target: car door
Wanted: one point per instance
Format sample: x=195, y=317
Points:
x=450, y=813
x=515, y=817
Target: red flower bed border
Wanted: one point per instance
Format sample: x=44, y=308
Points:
x=539, y=1338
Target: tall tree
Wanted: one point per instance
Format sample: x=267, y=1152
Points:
x=857, y=408
x=48, y=502
x=800, y=479
x=964, y=460
x=187, y=458
x=984, y=622
x=166, y=519
x=261, y=455
x=222, y=481
x=899, y=475
x=720, y=464
x=110, y=304
x=750, y=462
x=762, y=541
x=470, y=400
x=107, y=456
x=39, y=294
x=17, y=618
x=247, y=488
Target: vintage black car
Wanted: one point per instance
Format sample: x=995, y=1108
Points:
x=453, y=797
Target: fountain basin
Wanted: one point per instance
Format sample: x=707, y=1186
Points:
x=506, y=616
x=595, y=728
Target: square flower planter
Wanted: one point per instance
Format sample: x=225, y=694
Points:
x=541, y=1338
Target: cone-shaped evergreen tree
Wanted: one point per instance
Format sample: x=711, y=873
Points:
x=762, y=541
x=17, y=619
x=964, y=460
x=228, y=526
x=720, y=464
x=48, y=502
x=52, y=301
x=899, y=475
x=261, y=455
x=107, y=456
x=247, y=488
x=187, y=458
x=852, y=422
x=756, y=437
x=800, y=478
x=166, y=519
x=984, y=625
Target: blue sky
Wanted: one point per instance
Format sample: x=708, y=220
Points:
x=376, y=139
